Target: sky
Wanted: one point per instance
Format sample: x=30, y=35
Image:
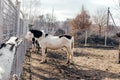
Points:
x=64, y=9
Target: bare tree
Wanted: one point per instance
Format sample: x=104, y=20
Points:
x=67, y=26
x=100, y=19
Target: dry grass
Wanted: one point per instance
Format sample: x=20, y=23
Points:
x=89, y=64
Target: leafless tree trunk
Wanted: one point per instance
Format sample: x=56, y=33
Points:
x=100, y=19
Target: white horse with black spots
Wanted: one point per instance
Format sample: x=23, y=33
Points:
x=7, y=52
x=47, y=41
x=58, y=42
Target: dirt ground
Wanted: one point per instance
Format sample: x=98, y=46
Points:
x=89, y=64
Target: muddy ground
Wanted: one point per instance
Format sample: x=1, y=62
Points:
x=89, y=64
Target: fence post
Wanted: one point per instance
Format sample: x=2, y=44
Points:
x=18, y=17
x=17, y=62
x=105, y=39
x=85, y=37
x=1, y=18
x=119, y=52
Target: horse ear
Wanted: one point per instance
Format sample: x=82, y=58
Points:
x=2, y=45
x=118, y=34
x=30, y=26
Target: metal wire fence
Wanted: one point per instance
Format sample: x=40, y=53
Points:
x=12, y=24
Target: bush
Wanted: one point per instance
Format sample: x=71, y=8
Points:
x=98, y=40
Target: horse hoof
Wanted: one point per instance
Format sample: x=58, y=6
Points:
x=70, y=62
x=67, y=62
x=42, y=62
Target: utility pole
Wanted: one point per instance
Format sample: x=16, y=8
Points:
x=52, y=21
x=106, y=33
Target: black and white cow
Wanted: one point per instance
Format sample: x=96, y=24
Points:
x=7, y=52
x=34, y=36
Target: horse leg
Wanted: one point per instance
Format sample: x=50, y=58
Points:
x=70, y=55
x=43, y=56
